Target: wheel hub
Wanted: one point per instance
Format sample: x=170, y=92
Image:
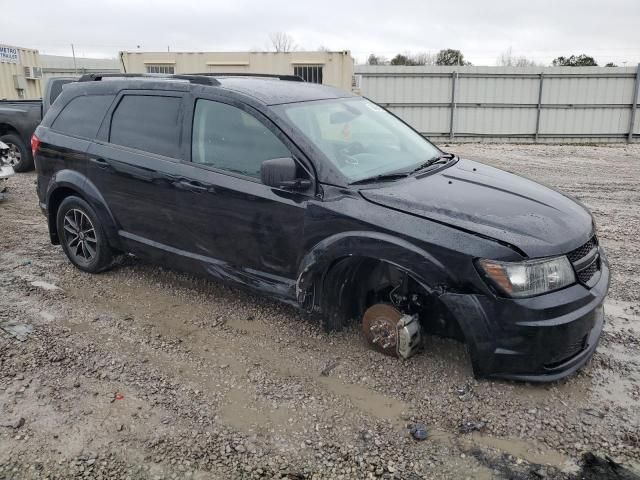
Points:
x=380, y=327
x=80, y=235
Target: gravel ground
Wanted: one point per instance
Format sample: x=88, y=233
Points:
x=142, y=372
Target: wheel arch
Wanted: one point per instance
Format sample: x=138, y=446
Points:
x=70, y=182
x=7, y=128
x=335, y=263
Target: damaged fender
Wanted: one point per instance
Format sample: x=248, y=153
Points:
x=418, y=263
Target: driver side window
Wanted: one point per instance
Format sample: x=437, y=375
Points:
x=229, y=138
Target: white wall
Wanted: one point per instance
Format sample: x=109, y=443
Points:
x=337, y=66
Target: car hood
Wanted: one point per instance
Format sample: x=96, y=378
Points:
x=471, y=196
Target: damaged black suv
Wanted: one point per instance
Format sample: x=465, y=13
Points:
x=327, y=201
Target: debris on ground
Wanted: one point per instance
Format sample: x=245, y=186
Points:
x=418, y=431
x=331, y=366
x=19, y=331
x=471, y=426
x=16, y=424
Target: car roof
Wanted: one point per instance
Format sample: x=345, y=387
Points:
x=274, y=92
x=266, y=90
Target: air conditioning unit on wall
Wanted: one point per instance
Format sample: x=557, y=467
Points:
x=33, y=73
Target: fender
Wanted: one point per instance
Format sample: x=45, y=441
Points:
x=421, y=265
x=79, y=183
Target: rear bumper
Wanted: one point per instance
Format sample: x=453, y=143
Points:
x=540, y=339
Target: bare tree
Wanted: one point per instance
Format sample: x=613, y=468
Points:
x=507, y=59
x=282, y=42
x=413, y=59
x=374, y=59
x=424, y=58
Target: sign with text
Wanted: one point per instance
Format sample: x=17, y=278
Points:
x=9, y=54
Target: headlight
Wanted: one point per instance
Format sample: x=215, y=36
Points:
x=529, y=278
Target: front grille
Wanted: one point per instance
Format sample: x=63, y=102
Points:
x=580, y=252
x=586, y=261
x=587, y=273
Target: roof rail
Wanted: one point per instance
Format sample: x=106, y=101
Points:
x=197, y=79
x=288, y=78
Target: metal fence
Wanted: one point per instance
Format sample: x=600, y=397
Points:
x=528, y=104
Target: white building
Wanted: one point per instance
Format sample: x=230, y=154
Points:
x=328, y=68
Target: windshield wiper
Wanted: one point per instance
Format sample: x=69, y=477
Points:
x=381, y=178
x=433, y=161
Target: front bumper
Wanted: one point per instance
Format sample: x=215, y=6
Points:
x=539, y=339
x=6, y=171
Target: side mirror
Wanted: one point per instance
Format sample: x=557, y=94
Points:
x=281, y=172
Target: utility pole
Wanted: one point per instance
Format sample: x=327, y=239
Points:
x=73, y=52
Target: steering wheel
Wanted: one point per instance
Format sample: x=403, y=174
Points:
x=345, y=153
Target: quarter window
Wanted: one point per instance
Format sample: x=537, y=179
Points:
x=149, y=123
x=164, y=69
x=83, y=115
x=228, y=138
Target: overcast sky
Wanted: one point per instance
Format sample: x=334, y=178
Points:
x=541, y=30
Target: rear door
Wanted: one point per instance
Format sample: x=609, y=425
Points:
x=134, y=164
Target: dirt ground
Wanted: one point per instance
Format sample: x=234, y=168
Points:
x=142, y=372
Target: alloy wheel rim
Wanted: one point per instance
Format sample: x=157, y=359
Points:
x=80, y=235
x=14, y=155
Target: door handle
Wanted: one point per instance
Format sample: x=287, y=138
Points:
x=100, y=162
x=193, y=186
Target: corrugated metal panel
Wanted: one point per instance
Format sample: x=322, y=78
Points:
x=592, y=103
x=577, y=90
x=425, y=120
x=407, y=89
x=495, y=121
x=603, y=121
x=497, y=90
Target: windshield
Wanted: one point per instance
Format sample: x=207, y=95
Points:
x=361, y=139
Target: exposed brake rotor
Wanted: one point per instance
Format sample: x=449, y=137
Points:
x=380, y=327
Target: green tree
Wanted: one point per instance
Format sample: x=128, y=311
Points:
x=575, y=61
x=450, y=56
x=401, y=59
x=611, y=64
x=375, y=60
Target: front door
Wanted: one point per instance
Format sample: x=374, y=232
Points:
x=257, y=230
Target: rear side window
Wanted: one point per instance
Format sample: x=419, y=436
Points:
x=149, y=123
x=82, y=116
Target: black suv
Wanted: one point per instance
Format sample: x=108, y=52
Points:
x=329, y=202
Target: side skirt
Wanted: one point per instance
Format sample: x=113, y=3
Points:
x=280, y=288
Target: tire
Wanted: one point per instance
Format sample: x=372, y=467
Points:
x=82, y=236
x=20, y=157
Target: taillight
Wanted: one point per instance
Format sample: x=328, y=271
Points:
x=35, y=144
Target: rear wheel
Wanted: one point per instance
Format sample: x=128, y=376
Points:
x=82, y=237
x=19, y=155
